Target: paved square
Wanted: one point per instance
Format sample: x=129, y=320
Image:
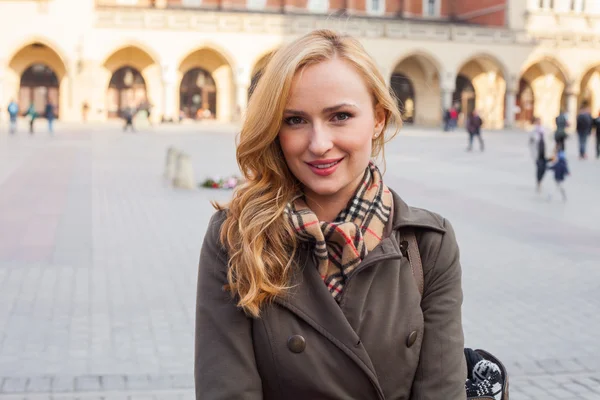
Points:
x=98, y=257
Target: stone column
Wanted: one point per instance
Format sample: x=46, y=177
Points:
x=3, y=101
x=447, y=98
x=572, y=98
x=511, y=102
x=169, y=76
x=241, y=92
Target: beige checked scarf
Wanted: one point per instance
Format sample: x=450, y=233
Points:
x=341, y=245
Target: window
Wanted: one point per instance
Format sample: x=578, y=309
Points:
x=256, y=4
x=431, y=8
x=318, y=6
x=375, y=7
x=191, y=3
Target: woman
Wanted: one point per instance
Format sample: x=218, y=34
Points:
x=303, y=291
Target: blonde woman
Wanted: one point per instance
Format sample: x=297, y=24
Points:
x=303, y=289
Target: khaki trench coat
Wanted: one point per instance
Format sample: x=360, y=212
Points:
x=381, y=342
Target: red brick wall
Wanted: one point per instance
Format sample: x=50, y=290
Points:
x=493, y=12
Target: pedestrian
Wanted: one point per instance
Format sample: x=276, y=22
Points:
x=453, y=117
x=283, y=313
x=597, y=127
x=537, y=144
x=128, y=115
x=474, y=129
x=560, y=135
x=32, y=116
x=584, y=129
x=561, y=170
x=85, y=108
x=13, y=113
x=446, y=117
x=50, y=115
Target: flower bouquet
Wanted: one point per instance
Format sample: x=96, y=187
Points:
x=221, y=183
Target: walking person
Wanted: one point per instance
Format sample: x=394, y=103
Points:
x=537, y=144
x=128, y=115
x=296, y=271
x=13, y=114
x=50, y=115
x=474, y=124
x=561, y=130
x=584, y=129
x=561, y=171
x=32, y=114
x=597, y=127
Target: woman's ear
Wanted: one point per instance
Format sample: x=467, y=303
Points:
x=380, y=117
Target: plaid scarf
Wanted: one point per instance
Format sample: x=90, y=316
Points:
x=341, y=245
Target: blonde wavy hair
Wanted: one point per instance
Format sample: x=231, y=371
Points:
x=256, y=232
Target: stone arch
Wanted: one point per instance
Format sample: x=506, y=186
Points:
x=590, y=89
x=135, y=62
x=219, y=69
x=38, y=74
x=257, y=69
x=481, y=85
x=543, y=84
x=416, y=82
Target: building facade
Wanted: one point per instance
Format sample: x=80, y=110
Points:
x=198, y=58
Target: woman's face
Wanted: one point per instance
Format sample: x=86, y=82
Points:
x=328, y=126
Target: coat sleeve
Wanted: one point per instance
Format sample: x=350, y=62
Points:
x=225, y=366
x=441, y=372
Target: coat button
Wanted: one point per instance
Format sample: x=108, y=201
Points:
x=412, y=338
x=296, y=344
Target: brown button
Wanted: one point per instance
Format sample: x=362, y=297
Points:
x=412, y=338
x=296, y=344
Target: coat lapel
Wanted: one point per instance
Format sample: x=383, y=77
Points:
x=311, y=301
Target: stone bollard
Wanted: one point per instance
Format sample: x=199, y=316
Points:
x=184, y=173
x=171, y=163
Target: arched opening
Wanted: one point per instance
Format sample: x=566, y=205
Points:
x=590, y=90
x=207, y=78
x=127, y=89
x=546, y=83
x=37, y=76
x=405, y=93
x=39, y=86
x=464, y=96
x=133, y=81
x=525, y=103
x=198, y=95
x=257, y=71
x=483, y=88
x=416, y=82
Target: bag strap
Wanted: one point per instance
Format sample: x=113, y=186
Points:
x=410, y=249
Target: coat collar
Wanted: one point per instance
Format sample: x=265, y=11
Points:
x=412, y=217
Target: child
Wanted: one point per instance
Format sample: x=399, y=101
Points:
x=537, y=145
x=561, y=170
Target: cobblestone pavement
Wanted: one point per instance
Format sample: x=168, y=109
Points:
x=98, y=258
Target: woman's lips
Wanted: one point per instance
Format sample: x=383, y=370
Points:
x=324, y=167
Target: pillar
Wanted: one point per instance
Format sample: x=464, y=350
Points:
x=169, y=77
x=511, y=102
x=241, y=88
x=3, y=101
x=572, y=99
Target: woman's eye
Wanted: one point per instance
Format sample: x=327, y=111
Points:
x=342, y=116
x=293, y=120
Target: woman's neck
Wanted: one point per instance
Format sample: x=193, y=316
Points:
x=327, y=209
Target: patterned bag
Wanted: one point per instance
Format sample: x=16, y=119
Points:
x=487, y=376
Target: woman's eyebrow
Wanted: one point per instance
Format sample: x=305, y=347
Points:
x=337, y=107
x=325, y=110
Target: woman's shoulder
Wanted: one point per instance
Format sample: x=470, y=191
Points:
x=410, y=217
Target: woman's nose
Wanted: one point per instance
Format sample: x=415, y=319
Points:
x=320, y=141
